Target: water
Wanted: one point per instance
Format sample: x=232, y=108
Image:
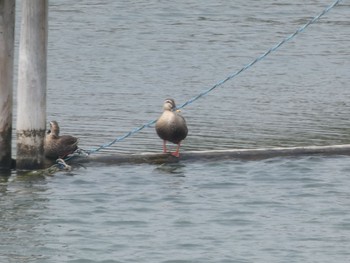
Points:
x=110, y=66
x=278, y=210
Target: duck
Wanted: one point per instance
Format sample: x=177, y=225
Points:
x=171, y=126
x=56, y=146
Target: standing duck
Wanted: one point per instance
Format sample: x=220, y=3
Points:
x=56, y=146
x=171, y=126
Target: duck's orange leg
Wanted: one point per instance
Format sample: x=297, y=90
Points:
x=164, y=147
x=177, y=153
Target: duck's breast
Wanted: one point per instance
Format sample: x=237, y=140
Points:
x=171, y=127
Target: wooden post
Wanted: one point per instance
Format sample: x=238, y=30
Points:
x=216, y=155
x=7, y=28
x=31, y=109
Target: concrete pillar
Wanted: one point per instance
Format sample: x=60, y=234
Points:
x=7, y=28
x=31, y=109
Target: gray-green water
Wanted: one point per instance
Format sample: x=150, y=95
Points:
x=111, y=64
x=280, y=210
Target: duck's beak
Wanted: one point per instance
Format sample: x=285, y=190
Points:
x=178, y=111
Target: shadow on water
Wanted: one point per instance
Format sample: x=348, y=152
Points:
x=176, y=169
x=4, y=175
x=23, y=205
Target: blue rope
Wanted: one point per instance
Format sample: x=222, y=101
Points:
x=118, y=139
x=220, y=83
x=261, y=57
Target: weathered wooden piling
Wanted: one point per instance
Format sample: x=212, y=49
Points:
x=215, y=155
x=31, y=109
x=7, y=28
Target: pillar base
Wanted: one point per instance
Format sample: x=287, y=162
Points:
x=30, y=150
x=5, y=146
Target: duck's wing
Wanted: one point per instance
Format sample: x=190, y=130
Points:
x=68, y=140
x=65, y=145
x=179, y=129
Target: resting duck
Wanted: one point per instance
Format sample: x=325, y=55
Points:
x=171, y=126
x=56, y=146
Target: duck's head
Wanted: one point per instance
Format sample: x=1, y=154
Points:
x=169, y=104
x=54, y=128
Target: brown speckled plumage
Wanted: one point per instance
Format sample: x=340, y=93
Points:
x=57, y=146
x=171, y=126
